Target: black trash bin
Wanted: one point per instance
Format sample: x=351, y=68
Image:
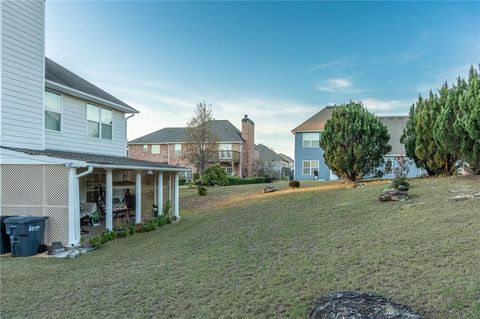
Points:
x=26, y=234
x=4, y=238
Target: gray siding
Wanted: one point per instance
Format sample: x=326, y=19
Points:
x=73, y=136
x=22, y=69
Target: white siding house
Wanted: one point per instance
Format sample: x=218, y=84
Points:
x=22, y=72
x=63, y=139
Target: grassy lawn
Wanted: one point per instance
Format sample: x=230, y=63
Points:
x=238, y=253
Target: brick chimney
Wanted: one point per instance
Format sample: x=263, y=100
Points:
x=248, y=152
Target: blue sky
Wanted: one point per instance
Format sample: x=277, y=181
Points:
x=277, y=62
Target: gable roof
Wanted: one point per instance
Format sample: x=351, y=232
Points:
x=267, y=154
x=394, y=124
x=62, y=79
x=316, y=122
x=225, y=130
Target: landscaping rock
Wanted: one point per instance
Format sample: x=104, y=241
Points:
x=393, y=195
x=348, y=304
x=461, y=197
x=269, y=189
x=403, y=188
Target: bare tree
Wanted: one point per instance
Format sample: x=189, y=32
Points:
x=266, y=168
x=201, y=138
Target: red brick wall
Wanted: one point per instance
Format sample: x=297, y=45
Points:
x=248, y=134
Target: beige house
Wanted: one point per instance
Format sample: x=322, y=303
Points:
x=237, y=152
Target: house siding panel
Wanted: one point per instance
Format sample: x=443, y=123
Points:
x=308, y=153
x=22, y=69
x=74, y=131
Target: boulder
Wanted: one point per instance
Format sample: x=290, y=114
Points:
x=349, y=304
x=461, y=197
x=393, y=195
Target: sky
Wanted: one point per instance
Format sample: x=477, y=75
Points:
x=280, y=63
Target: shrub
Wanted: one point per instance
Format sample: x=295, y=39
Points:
x=215, y=175
x=400, y=181
x=191, y=183
x=294, y=184
x=182, y=181
x=202, y=190
x=247, y=180
x=196, y=176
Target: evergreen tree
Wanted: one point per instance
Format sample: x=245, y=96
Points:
x=354, y=142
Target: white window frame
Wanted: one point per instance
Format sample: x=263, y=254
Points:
x=152, y=149
x=177, y=152
x=61, y=112
x=227, y=169
x=99, y=123
x=225, y=151
x=145, y=148
x=311, y=168
x=310, y=144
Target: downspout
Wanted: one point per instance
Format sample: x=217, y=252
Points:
x=126, y=144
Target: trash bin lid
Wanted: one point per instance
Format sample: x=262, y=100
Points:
x=25, y=219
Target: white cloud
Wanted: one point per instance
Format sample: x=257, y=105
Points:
x=336, y=63
x=341, y=85
x=387, y=107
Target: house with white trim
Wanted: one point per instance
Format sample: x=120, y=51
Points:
x=63, y=142
x=309, y=155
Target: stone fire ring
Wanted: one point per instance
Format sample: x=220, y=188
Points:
x=353, y=305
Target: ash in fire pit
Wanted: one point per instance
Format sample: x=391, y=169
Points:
x=350, y=305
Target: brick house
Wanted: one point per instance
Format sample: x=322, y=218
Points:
x=237, y=152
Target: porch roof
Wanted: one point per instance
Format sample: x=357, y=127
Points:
x=98, y=160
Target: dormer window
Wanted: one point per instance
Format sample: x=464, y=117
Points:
x=99, y=122
x=53, y=111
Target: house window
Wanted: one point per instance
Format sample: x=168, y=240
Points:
x=309, y=167
x=229, y=171
x=311, y=139
x=178, y=149
x=225, y=151
x=145, y=148
x=53, y=111
x=155, y=149
x=99, y=122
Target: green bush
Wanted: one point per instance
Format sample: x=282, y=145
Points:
x=202, y=190
x=215, y=175
x=244, y=181
x=400, y=181
x=191, y=183
x=196, y=176
x=294, y=184
x=182, y=181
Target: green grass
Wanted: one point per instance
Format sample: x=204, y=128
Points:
x=238, y=253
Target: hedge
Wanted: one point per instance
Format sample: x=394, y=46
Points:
x=247, y=180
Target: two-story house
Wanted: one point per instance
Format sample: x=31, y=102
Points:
x=63, y=140
x=237, y=152
x=278, y=163
x=309, y=155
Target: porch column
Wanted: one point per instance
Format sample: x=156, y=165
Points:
x=160, y=193
x=138, y=198
x=170, y=191
x=73, y=221
x=109, y=200
x=176, y=196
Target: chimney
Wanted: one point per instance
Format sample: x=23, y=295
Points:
x=248, y=153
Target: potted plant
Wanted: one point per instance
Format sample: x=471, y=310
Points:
x=96, y=218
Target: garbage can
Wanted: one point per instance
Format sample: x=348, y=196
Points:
x=4, y=238
x=26, y=234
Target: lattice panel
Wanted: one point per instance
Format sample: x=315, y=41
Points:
x=22, y=185
x=56, y=185
x=57, y=225
x=37, y=190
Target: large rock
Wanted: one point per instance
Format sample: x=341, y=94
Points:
x=350, y=305
x=393, y=195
